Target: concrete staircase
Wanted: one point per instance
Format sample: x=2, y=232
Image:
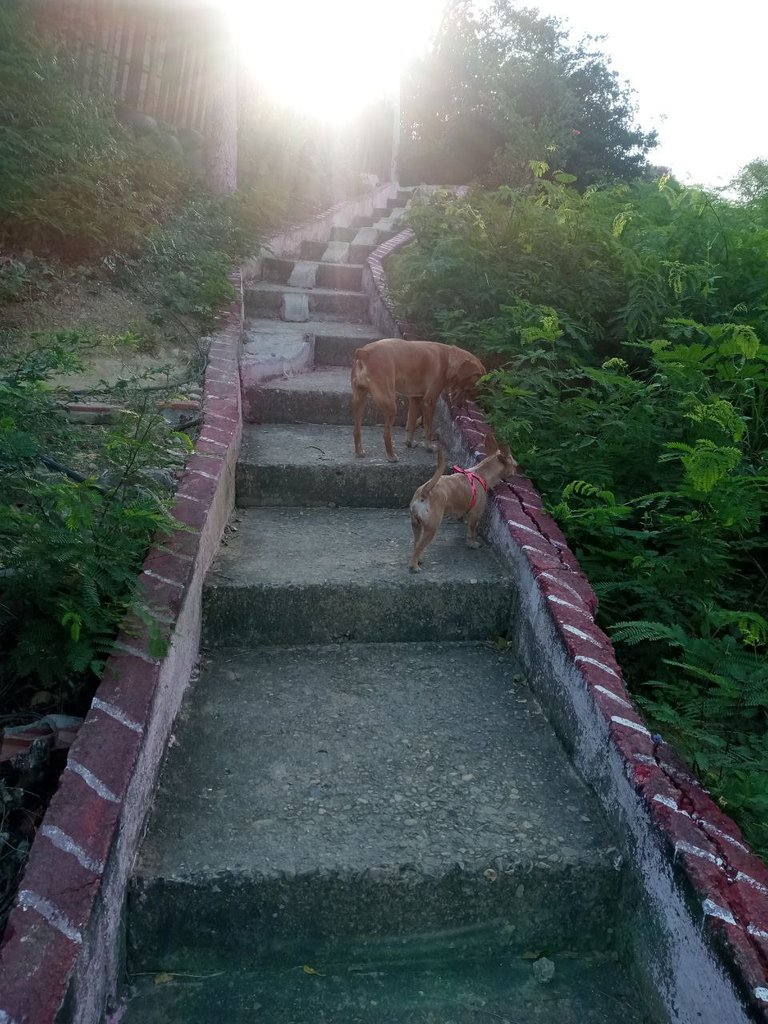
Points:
x=364, y=816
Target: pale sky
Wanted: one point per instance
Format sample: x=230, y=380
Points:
x=697, y=70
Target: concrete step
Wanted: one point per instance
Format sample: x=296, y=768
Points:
x=275, y=348
x=336, y=350
x=341, y=234
x=319, y=575
x=311, y=250
x=396, y=203
x=327, y=275
x=315, y=464
x=323, y=396
x=584, y=990
x=265, y=297
x=356, y=804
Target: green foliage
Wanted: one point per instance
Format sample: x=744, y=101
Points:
x=71, y=549
x=70, y=176
x=504, y=92
x=643, y=426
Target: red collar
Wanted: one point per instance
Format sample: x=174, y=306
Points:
x=473, y=478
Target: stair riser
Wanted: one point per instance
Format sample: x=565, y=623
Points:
x=328, y=275
x=359, y=486
x=330, y=351
x=235, y=921
x=339, y=234
x=360, y=613
x=352, y=307
x=271, y=406
x=311, y=250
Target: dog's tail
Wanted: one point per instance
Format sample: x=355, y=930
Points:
x=427, y=487
x=359, y=374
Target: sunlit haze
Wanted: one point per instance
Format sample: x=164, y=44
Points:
x=332, y=56
x=696, y=69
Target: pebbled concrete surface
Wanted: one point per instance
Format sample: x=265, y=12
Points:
x=380, y=792
x=294, y=575
x=324, y=396
x=315, y=464
x=503, y=989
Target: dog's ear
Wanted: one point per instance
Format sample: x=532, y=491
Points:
x=491, y=444
x=466, y=368
x=504, y=451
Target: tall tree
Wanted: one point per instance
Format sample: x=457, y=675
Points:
x=506, y=87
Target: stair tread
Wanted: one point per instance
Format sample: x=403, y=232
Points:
x=322, y=444
x=319, y=263
x=327, y=378
x=581, y=992
x=318, y=325
x=354, y=758
x=276, y=547
x=270, y=286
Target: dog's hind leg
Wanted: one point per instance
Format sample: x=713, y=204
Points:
x=429, y=529
x=417, y=526
x=414, y=412
x=359, y=395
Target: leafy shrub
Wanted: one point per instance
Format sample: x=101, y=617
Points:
x=71, y=548
x=643, y=428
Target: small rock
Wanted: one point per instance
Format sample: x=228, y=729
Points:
x=543, y=971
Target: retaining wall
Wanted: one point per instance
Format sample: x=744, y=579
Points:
x=703, y=930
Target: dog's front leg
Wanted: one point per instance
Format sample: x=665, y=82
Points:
x=472, y=520
x=414, y=412
x=428, y=411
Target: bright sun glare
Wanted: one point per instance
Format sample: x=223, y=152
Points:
x=330, y=58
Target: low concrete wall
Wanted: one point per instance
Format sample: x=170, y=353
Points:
x=705, y=894
x=60, y=955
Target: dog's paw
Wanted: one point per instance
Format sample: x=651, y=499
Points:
x=392, y=457
x=473, y=543
x=415, y=568
x=430, y=447
x=360, y=454
x=410, y=444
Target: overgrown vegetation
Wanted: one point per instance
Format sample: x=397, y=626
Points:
x=629, y=330
x=502, y=86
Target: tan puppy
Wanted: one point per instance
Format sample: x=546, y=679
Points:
x=420, y=370
x=462, y=493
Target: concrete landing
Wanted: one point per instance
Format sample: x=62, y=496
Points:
x=324, y=396
x=315, y=464
x=293, y=575
x=503, y=990
x=380, y=797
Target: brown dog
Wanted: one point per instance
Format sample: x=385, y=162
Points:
x=420, y=370
x=462, y=493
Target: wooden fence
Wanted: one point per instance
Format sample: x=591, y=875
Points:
x=158, y=57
